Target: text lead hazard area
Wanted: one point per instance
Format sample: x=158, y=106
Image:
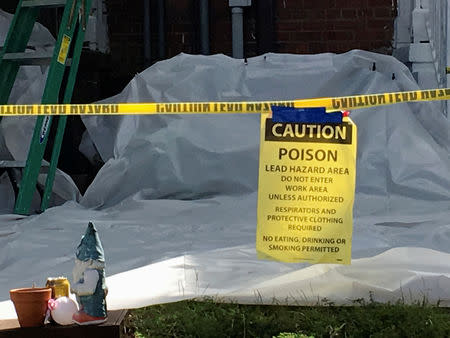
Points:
x=306, y=191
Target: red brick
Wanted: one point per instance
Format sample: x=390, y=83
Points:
x=317, y=47
x=380, y=3
x=379, y=23
x=346, y=25
x=349, y=13
x=350, y=3
x=339, y=35
x=331, y=3
x=282, y=36
x=288, y=12
x=333, y=13
x=329, y=26
x=301, y=48
x=318, y=3
x=287, y=26
x=365, y=12
x=366, y=45
x=313, y=14
x=307, y=36
x=370, y=35
x=383, y=12
x=301, y=26
x=314, y=25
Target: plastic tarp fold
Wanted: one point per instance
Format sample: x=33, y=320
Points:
x=175, y=202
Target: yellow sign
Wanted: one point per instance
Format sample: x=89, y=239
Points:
x=330, y=103
x=64, y=50
x=306, y=191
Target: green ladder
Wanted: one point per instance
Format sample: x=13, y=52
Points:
x=62, y=73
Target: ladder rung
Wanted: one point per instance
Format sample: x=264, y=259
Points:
x=43, y=3
x=32, y=58
x=18, y=164
x=12, y=164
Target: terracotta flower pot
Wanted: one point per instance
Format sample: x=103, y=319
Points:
x=31, y=305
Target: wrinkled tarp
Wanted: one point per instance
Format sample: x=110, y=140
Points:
x=172, y=151
x=175, y=202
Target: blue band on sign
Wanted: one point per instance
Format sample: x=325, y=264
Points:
x=304, y=115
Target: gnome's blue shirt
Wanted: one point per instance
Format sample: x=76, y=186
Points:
x=95, y=304
x=90, y=249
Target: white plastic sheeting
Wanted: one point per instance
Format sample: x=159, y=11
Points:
x=175, y=202
x=402, y=154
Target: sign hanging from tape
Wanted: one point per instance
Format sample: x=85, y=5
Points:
x=330, y=104
x=306, y=186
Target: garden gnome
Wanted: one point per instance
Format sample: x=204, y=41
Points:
x=89, y=279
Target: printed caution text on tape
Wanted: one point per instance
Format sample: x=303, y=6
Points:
x=330, y=103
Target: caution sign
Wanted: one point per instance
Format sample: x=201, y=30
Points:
x=306, y=191
x=64, y=50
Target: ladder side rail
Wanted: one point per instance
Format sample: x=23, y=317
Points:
x=62, y=120
x=43, y=123
x=16, y=41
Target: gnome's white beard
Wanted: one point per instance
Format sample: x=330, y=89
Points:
x=81, y=266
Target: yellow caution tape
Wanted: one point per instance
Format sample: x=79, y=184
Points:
x=330, y=103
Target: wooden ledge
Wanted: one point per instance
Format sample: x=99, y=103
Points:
x=112, y=328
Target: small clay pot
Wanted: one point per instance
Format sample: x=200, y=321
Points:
x=31, y=305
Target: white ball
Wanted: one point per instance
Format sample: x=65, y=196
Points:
x=65, y=307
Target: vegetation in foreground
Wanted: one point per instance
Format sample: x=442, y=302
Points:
x=215, y=319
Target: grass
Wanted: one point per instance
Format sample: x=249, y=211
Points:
x=209, y=318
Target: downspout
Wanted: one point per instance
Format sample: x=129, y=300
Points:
x=161, y=30
x=204, y=27
x=237, y=23
x=147, y=34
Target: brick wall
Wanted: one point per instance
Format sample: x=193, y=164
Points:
x=314, y=26
x=181, y=18
x=125, y=24
x=300, y=26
